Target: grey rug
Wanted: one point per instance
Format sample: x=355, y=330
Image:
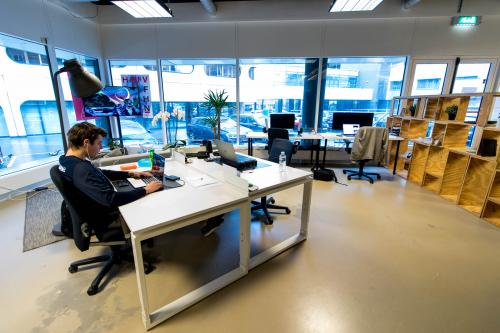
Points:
x=43, y=210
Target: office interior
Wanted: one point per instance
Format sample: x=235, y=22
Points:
x=384, y=257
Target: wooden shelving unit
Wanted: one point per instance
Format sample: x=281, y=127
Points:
x=450, y=134
x=491, y=212
x=476, y=184
x=492, y=133
x=418, y=161
x=445, y=101
x=403, y=148
x=431, y=108
x=434, y=168
x=453, y=175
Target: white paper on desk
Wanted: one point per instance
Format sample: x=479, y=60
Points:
x=198, y=181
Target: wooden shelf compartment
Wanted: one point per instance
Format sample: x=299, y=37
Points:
x=494, y=193
x=476, y=184
x=405, y=104
x=456, y=135
x=436, y=161
x=432, y=182
x=492, y=134
x=438, y=132
x=405, y=128
x=461, y=101
x=391, y=156
x=418, y=161
x=491, y=212
x=453, y=175
x=431, y=107
x=418, y=128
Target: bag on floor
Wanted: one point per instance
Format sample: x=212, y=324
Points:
x=326, y=175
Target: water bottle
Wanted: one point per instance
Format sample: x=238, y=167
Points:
x=282, y=161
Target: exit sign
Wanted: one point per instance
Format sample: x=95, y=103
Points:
x=465, y=20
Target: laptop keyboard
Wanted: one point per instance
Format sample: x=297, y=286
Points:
x=142, y=181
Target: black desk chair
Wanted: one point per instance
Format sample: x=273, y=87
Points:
x=85, y=225
x=370, y=143
x=265, y=203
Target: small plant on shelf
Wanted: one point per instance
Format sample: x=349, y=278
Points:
x=412, y=110
x=452, y=111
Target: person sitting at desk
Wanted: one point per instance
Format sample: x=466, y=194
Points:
x=85, y=141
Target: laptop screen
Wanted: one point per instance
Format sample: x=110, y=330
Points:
x=350, y=129
x=158, y=166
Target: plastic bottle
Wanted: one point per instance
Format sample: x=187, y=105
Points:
x=282, y=161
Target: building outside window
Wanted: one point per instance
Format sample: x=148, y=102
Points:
x=429, y=79
x=274, y=86
x=139, y=131
x=361, y=85
x=184, y=92
x=30, y=134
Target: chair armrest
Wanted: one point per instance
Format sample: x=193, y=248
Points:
x=296, y=145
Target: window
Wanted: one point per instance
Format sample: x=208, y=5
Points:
x=185, y=93
x=429, y=78
x=361, y=85
x=471, y=77
x=431, y=84
x=137, y=131
x=220, y=70
x=29, y=122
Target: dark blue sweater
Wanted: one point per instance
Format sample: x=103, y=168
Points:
x=95, y=183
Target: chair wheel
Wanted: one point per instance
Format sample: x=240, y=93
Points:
x=270, y=222
x=272, y=201
x=288, y=211
x=349, y=177
x=72, y=269
x=344, y=172
x=379, y=177
x=92, y=290
x=148, y=268
x=371, y=181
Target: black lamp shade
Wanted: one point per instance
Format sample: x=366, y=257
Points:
x=82, y=83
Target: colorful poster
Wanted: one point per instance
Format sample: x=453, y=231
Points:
x=143, y=83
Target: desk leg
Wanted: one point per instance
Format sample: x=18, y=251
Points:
x=306, y=209
x=141, y=281
x=245, y=236
x=250, y=147
x=397, y=158
x=324, y=152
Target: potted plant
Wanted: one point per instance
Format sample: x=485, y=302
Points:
x=452, y=111
x=216, y=100
x=213, y=121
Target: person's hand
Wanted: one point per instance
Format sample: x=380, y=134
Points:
x=153, y=187
x=139, y=174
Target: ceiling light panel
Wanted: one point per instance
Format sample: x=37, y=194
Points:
x=144, y=8
x=354, y=5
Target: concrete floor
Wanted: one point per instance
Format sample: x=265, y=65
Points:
x=388, y=257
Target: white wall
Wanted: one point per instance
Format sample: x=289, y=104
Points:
x=420, y=37
x=66, y=29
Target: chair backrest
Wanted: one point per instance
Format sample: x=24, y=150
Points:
x=278, y=146
x=276, y=133
x=370, y=143
x=78, y=205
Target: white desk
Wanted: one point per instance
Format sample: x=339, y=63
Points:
x=337, y=136
x=171, y=209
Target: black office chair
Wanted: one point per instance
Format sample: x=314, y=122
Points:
x=370, y=143
x=265, y=203
x=81, y=208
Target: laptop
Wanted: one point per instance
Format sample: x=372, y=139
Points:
x=350, y=129
x=229, y=157
x=157, y=169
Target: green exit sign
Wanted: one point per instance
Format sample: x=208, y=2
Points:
x=466, y=20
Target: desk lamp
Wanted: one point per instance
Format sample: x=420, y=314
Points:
x=82, y=84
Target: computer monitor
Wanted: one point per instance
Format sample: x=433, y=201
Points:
x=360, y=118
x=282, y=120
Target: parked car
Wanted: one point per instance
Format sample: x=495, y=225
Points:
x=135, y=133
x=198, y=130
x=254, y=121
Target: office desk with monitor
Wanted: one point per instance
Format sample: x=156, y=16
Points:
x=339, y=136
x=151, y=216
